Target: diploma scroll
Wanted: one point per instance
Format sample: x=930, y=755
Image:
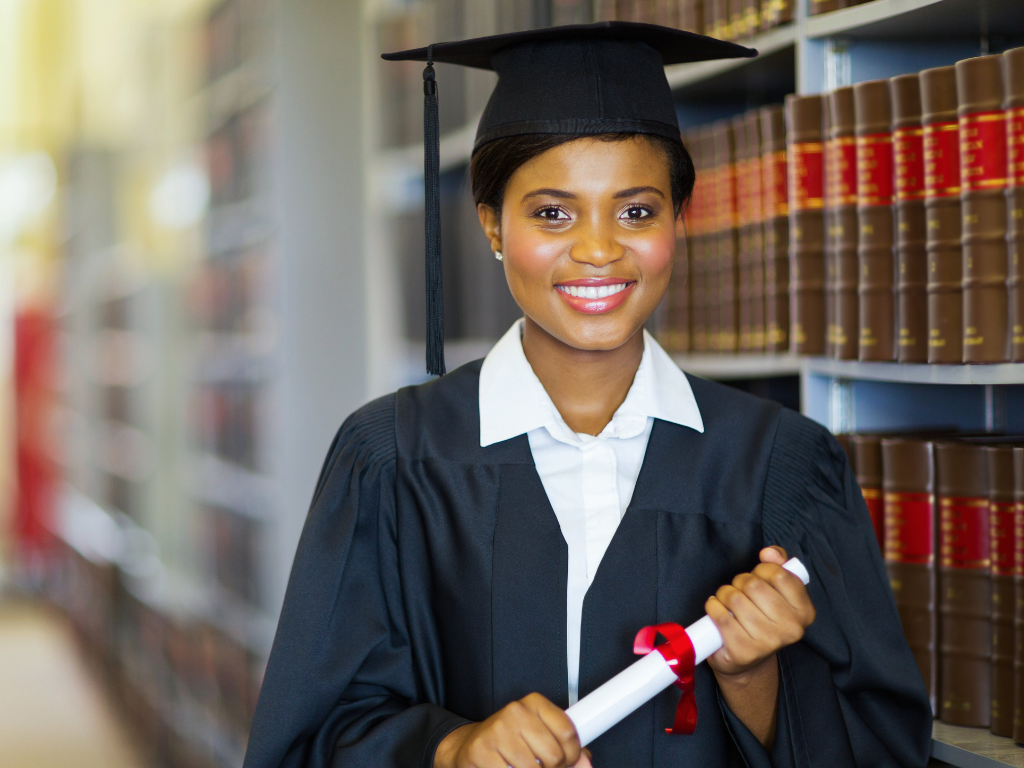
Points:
x=642, y=681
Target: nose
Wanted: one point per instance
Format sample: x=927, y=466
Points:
x=596, y=244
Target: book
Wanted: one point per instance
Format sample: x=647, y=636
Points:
x=845, y=440
x=703, y=201
x=867, y=450
x=828, y=212
x=691, y=16
x=1013, y=104
x=908, y=486
x=1001, y=568
x=843, y=228
x=911, y=257
x=775, y=209
x=979, y=87
x=965, y=595
x=875, y=237
x=753, y=305
x=942, y=214
x=674, y=330
x=744, y=277
x=1018, y=588
x=719, y=19
x=751, y=17
x=816, y=7
x=775, y=12
x=726, y=236
x=806, y=224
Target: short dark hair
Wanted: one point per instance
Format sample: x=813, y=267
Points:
x=495, y=162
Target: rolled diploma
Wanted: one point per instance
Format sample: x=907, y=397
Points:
x=602, y=708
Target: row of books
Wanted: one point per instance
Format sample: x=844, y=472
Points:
x=949, y=516
x=227, y=420
x=880, y=221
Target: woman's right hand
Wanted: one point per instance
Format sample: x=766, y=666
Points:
x=524, y=734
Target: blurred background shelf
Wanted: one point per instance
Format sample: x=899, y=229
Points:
x=739, y=366
x=927, y=20
x=974, y=748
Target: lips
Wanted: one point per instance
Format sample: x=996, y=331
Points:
x=594, y=296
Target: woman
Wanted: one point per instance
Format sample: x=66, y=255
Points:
x=482, y=549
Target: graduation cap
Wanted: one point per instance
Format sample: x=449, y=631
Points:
x=582, y=79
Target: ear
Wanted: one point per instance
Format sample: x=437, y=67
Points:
x=680, y=226
x=491, y=223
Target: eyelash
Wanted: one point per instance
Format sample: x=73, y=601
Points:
x=648, y=212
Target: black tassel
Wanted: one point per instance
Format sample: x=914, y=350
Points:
x=432, y=201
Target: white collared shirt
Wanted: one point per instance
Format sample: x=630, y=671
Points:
x=588, y=480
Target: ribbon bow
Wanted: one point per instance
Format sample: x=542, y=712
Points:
x=678, y=652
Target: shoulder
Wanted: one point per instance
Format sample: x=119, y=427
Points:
x=728, y=410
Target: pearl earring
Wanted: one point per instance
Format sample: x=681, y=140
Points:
x=498, y=256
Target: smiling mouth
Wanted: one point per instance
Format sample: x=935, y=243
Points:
x=593, y=291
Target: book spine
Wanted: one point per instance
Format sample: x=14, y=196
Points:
x=691, y=16
x=875, y=238
x=775, y=207
x=983, y=184
x=751, y=16
x=942, y=215
x=817, y=7
x=1001, y=569
x=965, y=603
x=737, y=21
x=911, y=258
x=828, y=214
x=719, y=19
x=755, y=230
x=1018, y=583
x=728, y=245
x=775, y=12
x=744, y=257
x=868, y=452
x=806, y=225
x=698, y=268
x=1013, y=85
x=678, y=336
x=843, y=228
x=910, y=533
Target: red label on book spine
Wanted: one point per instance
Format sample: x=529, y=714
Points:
x=726, y=195
x=908, y=147
x=754, y=195
x=1015, y=146
x=774, y=185
x=1018, y=539
x=874, y=169
x=964, y=533
x=983, y=151
x=908, y=528
x=742, y=194
x=942, y=160
x=1001, y=534
x=806, y=180
x=843, y=174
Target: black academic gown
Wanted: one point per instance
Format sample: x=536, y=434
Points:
x=429, y=590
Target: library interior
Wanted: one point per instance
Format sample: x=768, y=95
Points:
x=189, y=189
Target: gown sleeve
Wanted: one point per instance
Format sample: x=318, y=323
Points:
x=341, y=687
x=850, y=693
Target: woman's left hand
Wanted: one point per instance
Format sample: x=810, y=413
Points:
x=758, y=614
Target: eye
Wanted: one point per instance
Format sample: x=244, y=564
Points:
x=551, y=213
x=636, y=213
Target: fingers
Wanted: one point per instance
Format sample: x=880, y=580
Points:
x=560, y=727
x=774, y=554
x=787, y=586
x=528, y=733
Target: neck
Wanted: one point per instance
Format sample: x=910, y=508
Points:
x=586, y=386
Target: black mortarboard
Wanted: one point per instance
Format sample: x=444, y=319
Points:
x=599, y=78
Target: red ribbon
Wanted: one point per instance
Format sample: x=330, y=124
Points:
x=678, y=652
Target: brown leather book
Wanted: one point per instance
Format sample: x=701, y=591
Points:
x=737, y=21
x=1018, y=580
x=775, y=12
x=697, y=245
x=743, y=275
x=965, y=594
x=691, y=16
x=817, y=7
x=828, y=213
x=775, y=207
x=843, y=228
x=911, y=257
x=1001, y=568
x=806, y=225
x=1013, y=104
x=752, y=305
x=875, y=220
x=728, y=245
x=909, y=511
x=867, y=450
x=942, y=214
x=677, y=335
x=720, y=19
x=711, y=260
x=979, y=87
x=846, y=441
x=751, y=16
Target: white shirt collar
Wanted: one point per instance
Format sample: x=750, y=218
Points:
x=514, y=402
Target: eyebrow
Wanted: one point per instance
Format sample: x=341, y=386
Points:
x=562, y=194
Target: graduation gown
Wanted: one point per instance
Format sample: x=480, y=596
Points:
x=429, y=590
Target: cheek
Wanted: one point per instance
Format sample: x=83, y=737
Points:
x=531, y=255
x=654, y=254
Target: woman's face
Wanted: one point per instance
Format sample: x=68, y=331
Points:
x=588, y=232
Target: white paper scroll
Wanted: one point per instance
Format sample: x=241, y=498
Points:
x=627, y=691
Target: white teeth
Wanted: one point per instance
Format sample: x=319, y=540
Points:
x=591, y=291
